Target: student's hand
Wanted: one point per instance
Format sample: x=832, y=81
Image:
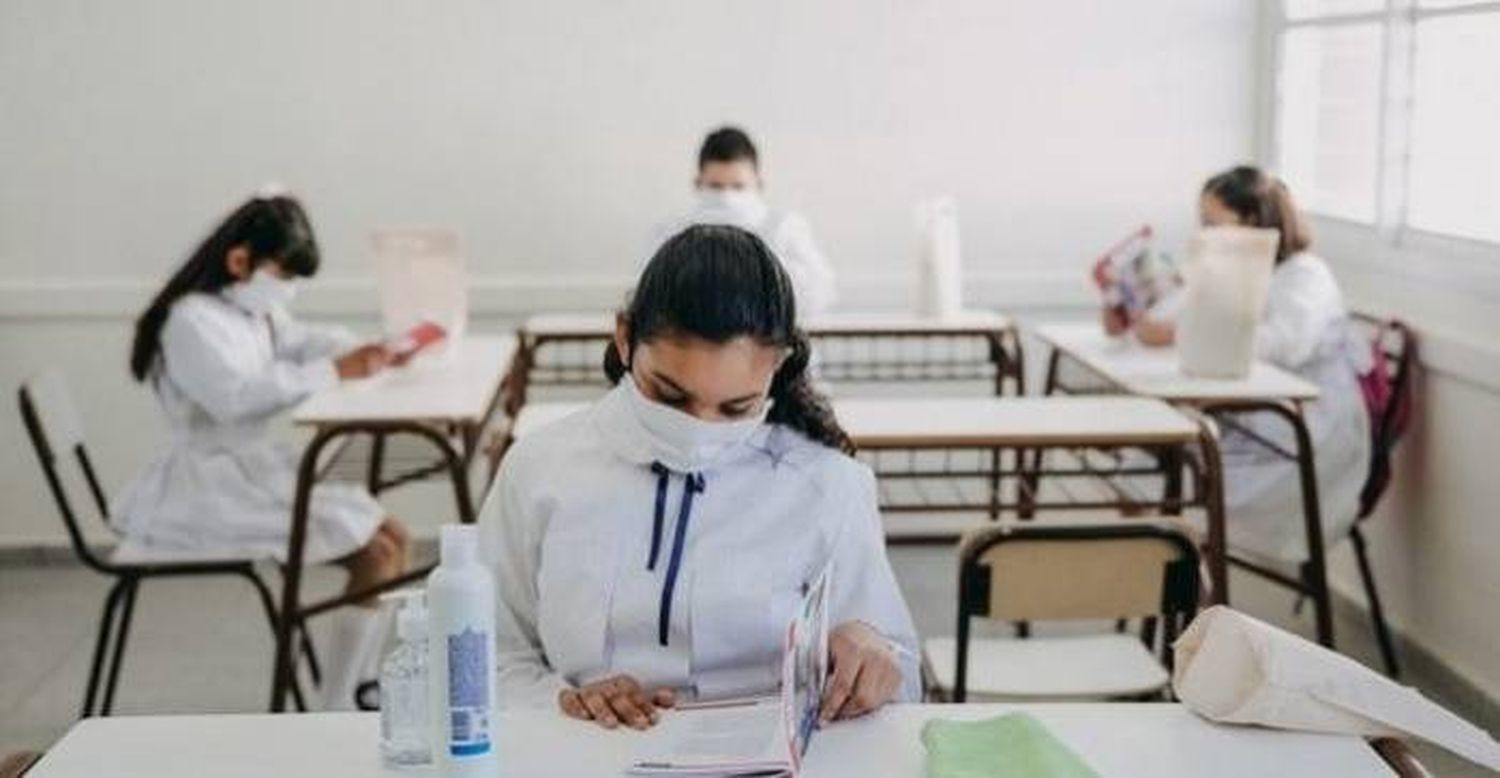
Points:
x=863, y=672
x=362, y=362
x=1155, y=332
x=616, y=700
x=1115, y=323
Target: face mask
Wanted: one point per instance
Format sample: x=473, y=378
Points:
x=263, y=292
x=739, y=206
x=682, y=441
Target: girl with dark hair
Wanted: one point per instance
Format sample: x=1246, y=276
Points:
x=1304, y=328
x=224, y=357
x=653, y=547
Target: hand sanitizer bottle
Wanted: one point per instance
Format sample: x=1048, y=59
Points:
x=461, y=666
x=404, y=717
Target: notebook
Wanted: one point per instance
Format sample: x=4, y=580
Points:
x=1133, y=276
x=760, y=736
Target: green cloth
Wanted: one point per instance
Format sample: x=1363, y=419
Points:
x=1008, y=746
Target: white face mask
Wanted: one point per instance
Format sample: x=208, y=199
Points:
x=742, y=207
x=684, y=442
x=263, y=292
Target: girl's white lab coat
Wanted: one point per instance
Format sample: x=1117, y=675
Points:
x=567, y=531
x=790, y=236
x=224, y=485
x=1304, y=329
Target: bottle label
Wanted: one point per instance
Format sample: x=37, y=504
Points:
x=468, y=693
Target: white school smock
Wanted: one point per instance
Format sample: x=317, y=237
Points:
x=224, y=485
x=1304, y=329
x=567, y=532
x=789, y=235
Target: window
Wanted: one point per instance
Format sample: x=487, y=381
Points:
x=1455, y=127
x=1387, y=113
x=1329, y=118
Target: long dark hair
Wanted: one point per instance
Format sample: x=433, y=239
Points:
x=720, y=283
x=272, y=229
x=1262, y=200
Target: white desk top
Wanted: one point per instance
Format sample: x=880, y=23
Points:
x=602, y=325
x=1115, y=738
x=878, y=322
x=441, y=386
x=1010, y=421
x=1154, y=371
x=989, y=421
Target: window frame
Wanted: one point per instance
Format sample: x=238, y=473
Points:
x=1390, y=243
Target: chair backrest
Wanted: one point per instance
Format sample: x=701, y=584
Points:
x=1388, y=395
x=1038, y=571
x=56, y=431
x=1047, y=571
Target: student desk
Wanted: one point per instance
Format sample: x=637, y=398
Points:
x=444, y=398
x=560, y=349
x=1158, y=739
x=1123, y=365
x=926, y=451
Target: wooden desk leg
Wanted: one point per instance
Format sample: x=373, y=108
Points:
x=376, y=463
x=1316, y=570
x=288, y=616
x=1213, y=498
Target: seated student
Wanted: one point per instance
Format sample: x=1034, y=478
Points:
x=729, y=189
x=1304, y=329
x=224, y=357
x=653, y=547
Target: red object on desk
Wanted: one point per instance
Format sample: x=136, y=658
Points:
x=416, y=339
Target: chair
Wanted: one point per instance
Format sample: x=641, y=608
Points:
x=1049, y=571
x=56, y=433
x=1395, y=348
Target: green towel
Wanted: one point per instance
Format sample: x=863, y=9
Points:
x=1009, y=746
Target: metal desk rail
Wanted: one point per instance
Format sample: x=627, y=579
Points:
x=1030, y=455
x=979, y=347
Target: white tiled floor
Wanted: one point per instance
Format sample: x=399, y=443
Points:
x=203, y=646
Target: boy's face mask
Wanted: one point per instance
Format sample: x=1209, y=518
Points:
x=740, y=207
x=263, y=292
x=684, y=442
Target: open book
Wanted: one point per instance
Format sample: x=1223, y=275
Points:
x=756, y=736
x=1132, y=276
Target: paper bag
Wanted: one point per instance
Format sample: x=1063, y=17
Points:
x=421, y=276
x=1235, y=669
x=1227, y=275
x=940, y=269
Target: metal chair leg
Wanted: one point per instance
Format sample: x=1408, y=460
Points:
x=106, y=626
x=313, y=668
x=268, y=604
x=119, y=650
x=1372, y=596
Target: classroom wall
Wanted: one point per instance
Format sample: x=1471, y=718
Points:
x=553, y=136
x=1433, y=537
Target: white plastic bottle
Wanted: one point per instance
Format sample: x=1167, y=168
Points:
x=405, y=718
x=461, y=658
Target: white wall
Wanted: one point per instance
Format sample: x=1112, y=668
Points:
x=553, y=135
x=1433, y=539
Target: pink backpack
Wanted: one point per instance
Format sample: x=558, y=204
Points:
x=1387, y=395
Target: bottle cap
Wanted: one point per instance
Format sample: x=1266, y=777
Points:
x=411, y=618
x=459, y=545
